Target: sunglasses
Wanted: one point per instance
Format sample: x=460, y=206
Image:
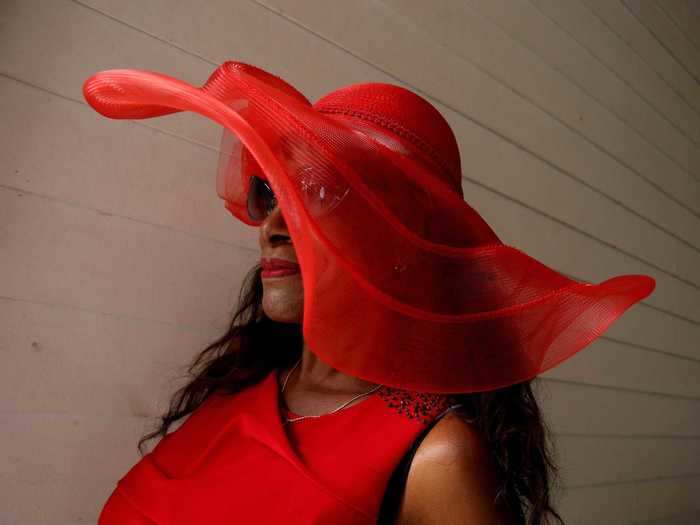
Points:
x=319, y=198
x=261, y=199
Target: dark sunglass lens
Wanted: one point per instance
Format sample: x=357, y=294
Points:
x=261, y=199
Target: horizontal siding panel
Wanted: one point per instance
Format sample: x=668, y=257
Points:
x=88, y=42
x=548, y=68
x=69, y=476
x=130, y=367
x=686, y=15
x=607, y=363
x=677, y=519
x=608, y=46
x=639, y=39
x=59, y=254
x=651, y=16
x=301, y=60
x=592, y=410
x=588, y=461
x=630, y=503
x=97, y=41
x=654, y=329
x=124, y=169
x=679, y=139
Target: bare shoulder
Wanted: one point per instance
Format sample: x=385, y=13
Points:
x=451, y=479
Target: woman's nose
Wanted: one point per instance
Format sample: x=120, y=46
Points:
x=273, y=229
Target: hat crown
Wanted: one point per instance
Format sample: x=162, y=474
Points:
x=404, y=113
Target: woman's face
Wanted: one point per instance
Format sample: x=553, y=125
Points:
x=283, y=294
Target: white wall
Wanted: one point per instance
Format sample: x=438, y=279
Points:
x=578, y=123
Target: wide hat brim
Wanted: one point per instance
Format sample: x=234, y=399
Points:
x=404, y=282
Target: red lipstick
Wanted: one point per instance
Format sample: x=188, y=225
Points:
x=278, y=267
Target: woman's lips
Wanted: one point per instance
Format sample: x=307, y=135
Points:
x=277, y=273
x=278, y=268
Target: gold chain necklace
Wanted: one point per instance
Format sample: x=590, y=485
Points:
x=292, y=420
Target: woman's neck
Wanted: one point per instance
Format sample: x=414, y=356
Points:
x=314, y=375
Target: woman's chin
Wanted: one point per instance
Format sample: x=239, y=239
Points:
x=283, y=311
x=284, y=317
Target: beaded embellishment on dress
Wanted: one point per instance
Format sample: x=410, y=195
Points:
x=422, y=406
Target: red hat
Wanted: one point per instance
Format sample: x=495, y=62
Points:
x=405, y=284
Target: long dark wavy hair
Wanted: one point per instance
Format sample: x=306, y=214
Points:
x=509, y=418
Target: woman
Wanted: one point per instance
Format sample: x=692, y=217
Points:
x=379, y=368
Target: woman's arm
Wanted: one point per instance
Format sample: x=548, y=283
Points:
x=451, y=479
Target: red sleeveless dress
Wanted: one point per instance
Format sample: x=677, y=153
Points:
x=233, y=461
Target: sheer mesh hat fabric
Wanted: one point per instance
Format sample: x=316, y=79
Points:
x=405, y=284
